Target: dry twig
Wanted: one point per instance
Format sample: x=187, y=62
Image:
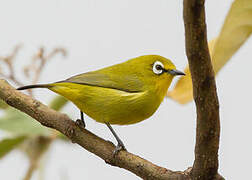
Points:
x=9, y=62
x=34, y=69
x=39, y=60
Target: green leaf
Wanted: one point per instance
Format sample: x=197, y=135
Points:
x=61, y=136
x=19, y=123
x=58, y=103
x=8, y=144
x=3, y=105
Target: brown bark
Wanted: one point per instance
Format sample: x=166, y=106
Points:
x=204, y=91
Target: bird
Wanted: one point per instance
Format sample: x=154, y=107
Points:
x=121, y=94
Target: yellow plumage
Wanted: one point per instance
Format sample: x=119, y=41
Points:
x=122, y=94
x=111, y=105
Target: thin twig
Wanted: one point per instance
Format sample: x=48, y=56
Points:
x=9, y=62
x=35, y=148
x=30, y=171
x=39, y=60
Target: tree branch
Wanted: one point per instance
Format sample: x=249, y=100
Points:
x=89, y=141
x=204, y=91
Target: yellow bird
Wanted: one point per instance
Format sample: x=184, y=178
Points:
x=122, y=94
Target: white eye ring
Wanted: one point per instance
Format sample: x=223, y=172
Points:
x=158, y=67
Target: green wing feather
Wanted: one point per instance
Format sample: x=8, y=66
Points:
x=103, y=78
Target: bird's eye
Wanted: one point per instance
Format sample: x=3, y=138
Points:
x=158, y=67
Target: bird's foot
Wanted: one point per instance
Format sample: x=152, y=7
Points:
x=80, y=123
x=120, y=147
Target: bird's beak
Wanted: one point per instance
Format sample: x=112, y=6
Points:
x=176, y=72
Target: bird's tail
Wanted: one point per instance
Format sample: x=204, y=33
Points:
x=35, y=86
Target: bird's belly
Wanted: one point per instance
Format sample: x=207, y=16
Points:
x=113, y=106
x=117, y=107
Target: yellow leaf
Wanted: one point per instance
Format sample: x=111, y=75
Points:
x=236, y=30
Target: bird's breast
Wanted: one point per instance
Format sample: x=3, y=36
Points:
x=111, y=105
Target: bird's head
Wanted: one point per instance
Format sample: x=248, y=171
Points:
x=155, y=66
x=156, y=71
x=163, y=66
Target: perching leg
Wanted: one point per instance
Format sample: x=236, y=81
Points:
x=81, y=121
x=120, y=146
x=82, y=118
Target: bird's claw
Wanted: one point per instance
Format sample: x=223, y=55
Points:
x=80, y=123
x=119, y=148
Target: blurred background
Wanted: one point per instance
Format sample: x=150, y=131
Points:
x=97, y=34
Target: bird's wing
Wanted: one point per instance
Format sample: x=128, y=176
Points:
x=128, y=83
